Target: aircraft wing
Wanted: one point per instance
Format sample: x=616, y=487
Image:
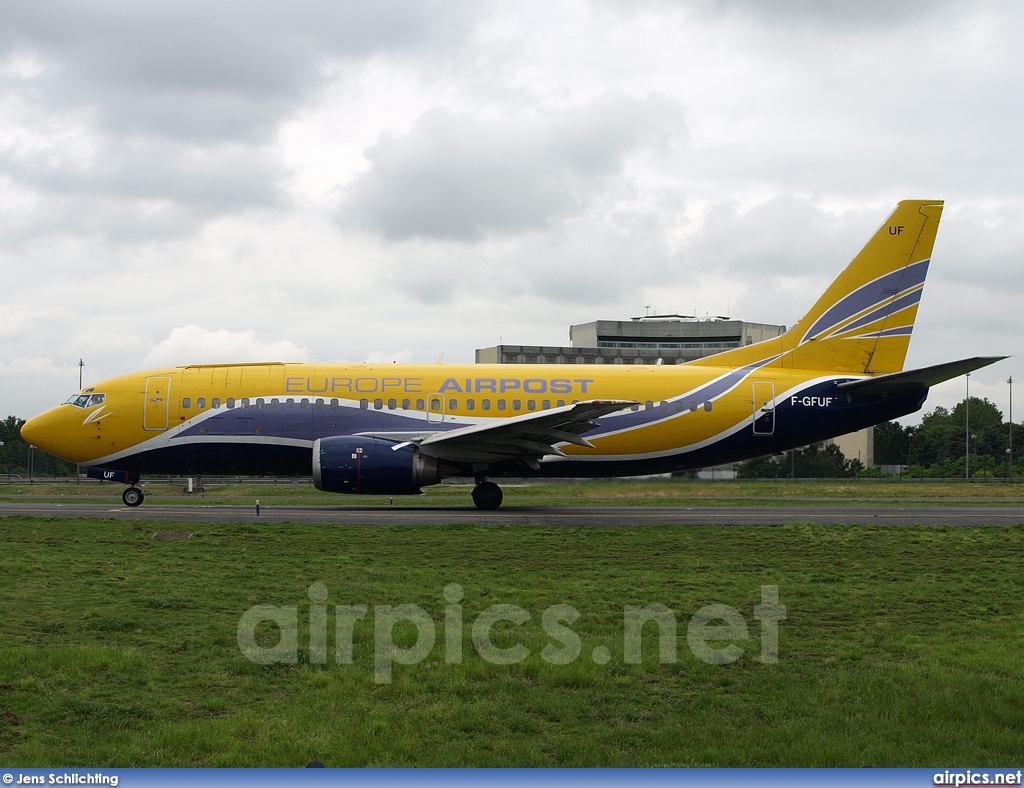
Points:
x=528, y=437
x=900, y=382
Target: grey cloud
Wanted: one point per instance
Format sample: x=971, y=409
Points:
x=140, y=189
x=113, y=220
x=979, y=246
x=784, y=236
x=842, y=15
x=177, y=104
x=609, y=252
x=781, y=253
x=217, y=176
x=456, y=177
x=199, y=71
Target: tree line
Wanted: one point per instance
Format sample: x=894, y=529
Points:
x=16, y=459
x=810, y=462
x=940, y=445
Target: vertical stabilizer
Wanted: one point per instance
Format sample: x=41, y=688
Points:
x=863, y=322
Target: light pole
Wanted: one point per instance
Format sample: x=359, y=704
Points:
x=78, y=467
x=1009, y=451
x=967, y=430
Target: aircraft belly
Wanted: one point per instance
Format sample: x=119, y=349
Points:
x=220, y=457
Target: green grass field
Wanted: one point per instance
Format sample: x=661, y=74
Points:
x=901, y=647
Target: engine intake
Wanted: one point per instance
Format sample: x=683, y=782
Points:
x=354, y=464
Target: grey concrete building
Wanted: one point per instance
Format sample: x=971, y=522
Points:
x=674, y=339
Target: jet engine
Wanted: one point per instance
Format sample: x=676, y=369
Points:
x=354, y=464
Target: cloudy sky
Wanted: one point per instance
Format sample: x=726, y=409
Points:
x=391, y=180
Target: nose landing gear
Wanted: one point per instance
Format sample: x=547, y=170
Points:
x=133, y=496
x=487, y=496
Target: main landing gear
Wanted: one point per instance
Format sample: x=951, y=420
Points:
x=487, y=495
x=133, y=496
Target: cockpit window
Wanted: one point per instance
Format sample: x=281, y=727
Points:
x=87, y=400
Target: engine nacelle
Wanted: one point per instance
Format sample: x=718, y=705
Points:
x=353, y=464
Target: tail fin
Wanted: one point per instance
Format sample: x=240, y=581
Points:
x=863, y=321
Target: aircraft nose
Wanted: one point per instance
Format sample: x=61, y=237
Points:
x=37, y=431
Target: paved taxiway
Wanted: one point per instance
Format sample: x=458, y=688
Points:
x=830, y=514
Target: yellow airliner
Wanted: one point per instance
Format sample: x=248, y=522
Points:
x=391, y=429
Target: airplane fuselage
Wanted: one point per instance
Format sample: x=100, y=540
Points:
x=264, y=418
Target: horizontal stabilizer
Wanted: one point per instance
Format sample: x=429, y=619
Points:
x=901, y=382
